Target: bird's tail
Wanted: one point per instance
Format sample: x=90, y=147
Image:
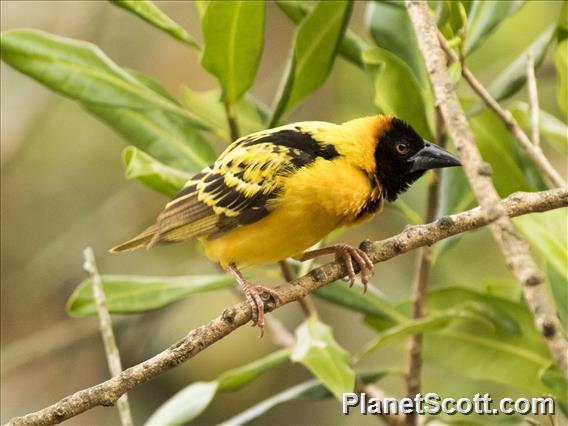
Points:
x=145, y=239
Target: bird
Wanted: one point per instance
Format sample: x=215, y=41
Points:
x=274, y=194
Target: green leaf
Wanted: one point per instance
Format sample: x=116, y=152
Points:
x=552, y=377
x=149, y=12
x=150, y=84
x=547, y=233
x=455, y=197
x=320, y=353
x=396, y=90
x=127, y=294
x=372, y=303
x=312, y=389
x=132, y=104
x=499, y=149
x=351, y=46
x=207, y=106
x=468, y=347
x=455, y=72
x=476, y=311
x=487, y=353
x=553, y=130
x=168, y=138
x=405, y=329
x=148, y=170
x=79, y=70
x=483, y=19
x=486, y=311
x=185, y=405
x=392, y=30
x=561, y=59
x=514, y=77
x=191, y=401
x=316, y=43
x=201, y=6
x=238, y=377
x=457, y=16
x=503, y=288
x=233, y=37
x=559, y=289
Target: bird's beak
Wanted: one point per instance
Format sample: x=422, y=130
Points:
x=431, y=156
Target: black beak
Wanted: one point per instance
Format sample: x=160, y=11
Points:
x=431, y=156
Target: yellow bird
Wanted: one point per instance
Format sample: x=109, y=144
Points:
x=275, y=193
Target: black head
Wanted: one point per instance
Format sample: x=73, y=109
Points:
x=402, y=157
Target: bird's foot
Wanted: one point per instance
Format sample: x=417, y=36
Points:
x=256, y=295
x=347, y=254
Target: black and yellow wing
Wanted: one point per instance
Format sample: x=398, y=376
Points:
x=240, y=188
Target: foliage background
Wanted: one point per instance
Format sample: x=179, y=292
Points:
x=63, y=188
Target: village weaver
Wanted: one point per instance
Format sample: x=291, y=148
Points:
x=275, y=193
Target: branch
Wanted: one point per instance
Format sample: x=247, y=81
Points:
x=533, y=98
x=105, y=325
x=106, y=393
x=420, y=283
x=514, y=248
x=306, y=303
x=533, y=150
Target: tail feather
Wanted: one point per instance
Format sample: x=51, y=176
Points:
x=156, y=234
x=141, y=240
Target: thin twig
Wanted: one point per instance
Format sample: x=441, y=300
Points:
x=513, y=246
x=420, y=283
x=279, y=333
x=105, y=324
x=374, y=391
x=307, y=304
x=106, y=393
x=533, y=151
x=533, y=99
x=233, y=122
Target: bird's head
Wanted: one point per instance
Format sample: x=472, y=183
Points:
x=402, y=157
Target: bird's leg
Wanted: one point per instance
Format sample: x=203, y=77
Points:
x=346, y=253
x=253, y=294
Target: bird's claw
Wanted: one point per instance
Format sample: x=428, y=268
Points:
x=256, y=295
x=348, y=253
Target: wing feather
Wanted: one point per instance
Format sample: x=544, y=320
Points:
x=240, y=188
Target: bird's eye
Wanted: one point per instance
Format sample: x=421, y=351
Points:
x=401, y=148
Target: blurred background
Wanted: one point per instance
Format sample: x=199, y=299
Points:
x=63, y=189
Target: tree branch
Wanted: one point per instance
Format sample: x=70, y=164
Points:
x=106, y=393
x=533, y=151
x=306, y=303
x=514, y=248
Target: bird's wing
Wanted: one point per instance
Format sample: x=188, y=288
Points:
x=240, y=188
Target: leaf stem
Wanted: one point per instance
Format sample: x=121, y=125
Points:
x=233, y=122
